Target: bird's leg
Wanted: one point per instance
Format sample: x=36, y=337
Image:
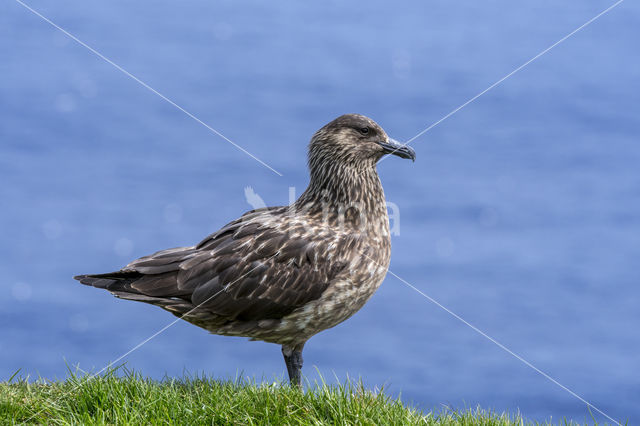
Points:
x=293, y=359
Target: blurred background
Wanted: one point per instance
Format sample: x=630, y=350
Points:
x=521, y=213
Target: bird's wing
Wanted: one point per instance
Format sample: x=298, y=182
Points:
x=257, y=267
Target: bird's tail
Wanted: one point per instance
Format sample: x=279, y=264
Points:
x=159, y=290
x=112, y=281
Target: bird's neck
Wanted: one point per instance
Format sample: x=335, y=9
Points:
x=345, y=194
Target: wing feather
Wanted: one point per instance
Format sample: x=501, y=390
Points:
x=254, y=268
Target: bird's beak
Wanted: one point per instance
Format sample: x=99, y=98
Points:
x=392, y=146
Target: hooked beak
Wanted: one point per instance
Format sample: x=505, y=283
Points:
x=392, y=146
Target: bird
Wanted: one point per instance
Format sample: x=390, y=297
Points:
x=283, y=274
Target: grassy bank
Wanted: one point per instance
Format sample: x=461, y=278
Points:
x=132, y=399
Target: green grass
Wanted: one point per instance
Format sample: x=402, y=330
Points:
x=133, y=399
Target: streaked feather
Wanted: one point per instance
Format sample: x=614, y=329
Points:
x=279, y=274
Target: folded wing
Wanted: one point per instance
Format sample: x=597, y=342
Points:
x=257, y=267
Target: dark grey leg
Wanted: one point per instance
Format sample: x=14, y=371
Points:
x=293, y=359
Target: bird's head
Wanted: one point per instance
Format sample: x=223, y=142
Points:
x=353, y=139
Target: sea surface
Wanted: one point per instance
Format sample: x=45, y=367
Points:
x=520, y=216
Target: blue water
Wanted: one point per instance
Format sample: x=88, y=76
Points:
x=521, y=213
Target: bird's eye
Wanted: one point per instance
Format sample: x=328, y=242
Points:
x=364, y=130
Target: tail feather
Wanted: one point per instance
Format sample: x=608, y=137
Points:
x=112, y=281
x=152, y=289
x=133, y=282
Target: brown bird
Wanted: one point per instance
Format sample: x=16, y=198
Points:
x=283, y=274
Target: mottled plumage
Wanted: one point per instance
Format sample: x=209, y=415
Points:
x=283, y=274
